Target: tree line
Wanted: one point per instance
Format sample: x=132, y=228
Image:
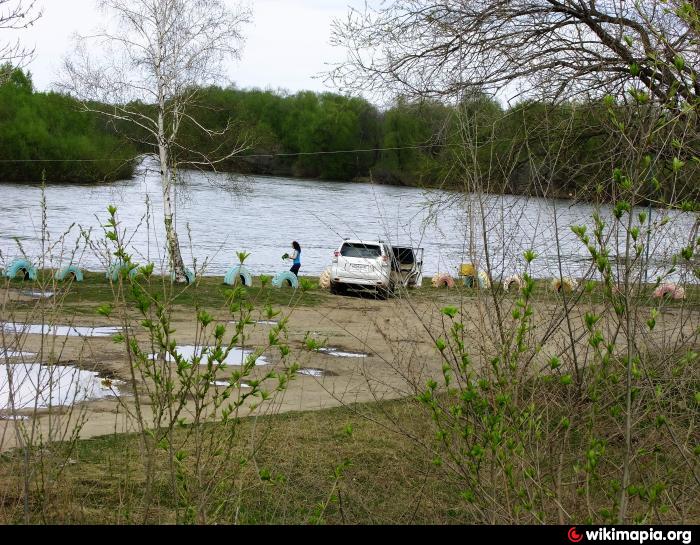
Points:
x=46, y=133
x=574, y=146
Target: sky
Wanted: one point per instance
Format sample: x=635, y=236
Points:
x=287, y=44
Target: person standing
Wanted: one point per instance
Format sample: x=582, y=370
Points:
x=296, y=258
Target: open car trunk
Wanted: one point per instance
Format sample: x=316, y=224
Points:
x=407, y=266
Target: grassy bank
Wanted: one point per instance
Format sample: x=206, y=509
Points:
x=336, y=467
x=535, y=440
x=211, y=292
x=372, y=463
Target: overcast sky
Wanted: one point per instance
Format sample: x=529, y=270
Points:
x=287, y=43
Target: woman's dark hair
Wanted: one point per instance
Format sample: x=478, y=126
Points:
x=296, y=245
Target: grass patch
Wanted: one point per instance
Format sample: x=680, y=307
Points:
x=387, y=478
x=207, y=292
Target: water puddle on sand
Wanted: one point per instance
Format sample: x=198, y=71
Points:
x=13, y=418
x=11, y=354
x=226, y=384
x=38, y=294
x=33, y=385
x=60, y=330
x=337, y=353
x=236, y=357
x=317, y=373
x=261, y=322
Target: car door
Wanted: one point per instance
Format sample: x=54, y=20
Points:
x=408, y=263
x=417, y=274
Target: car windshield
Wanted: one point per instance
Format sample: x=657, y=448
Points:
x=364, y=251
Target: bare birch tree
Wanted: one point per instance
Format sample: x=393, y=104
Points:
x=158, y=53
x=16, y=15
x=540, y=48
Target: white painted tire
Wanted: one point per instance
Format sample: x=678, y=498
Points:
x=324, y=281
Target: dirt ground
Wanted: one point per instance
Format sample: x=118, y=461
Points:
x=397, y=337
x=398, y=353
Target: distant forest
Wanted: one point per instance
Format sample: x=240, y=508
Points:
x=530, y=148
x=47, y=132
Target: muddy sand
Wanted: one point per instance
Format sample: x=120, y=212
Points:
x=375, y=350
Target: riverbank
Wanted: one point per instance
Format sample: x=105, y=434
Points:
x=351, y=347
x=345, y=441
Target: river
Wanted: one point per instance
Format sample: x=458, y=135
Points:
x=218, y=216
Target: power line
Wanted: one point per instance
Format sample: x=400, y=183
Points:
x=338, y=152
x=58, y=160
x=253, y=156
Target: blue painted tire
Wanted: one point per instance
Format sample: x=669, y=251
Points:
x=482, y=280
x=62, y=276
x=115, y=270
x=286, y=278
x=188, y=273
x=239, y=274
x=19, y=265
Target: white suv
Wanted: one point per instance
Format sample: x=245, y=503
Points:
x=375, y=265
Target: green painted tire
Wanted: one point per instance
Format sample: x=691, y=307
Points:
x=188, y=273
x=239, y=274
x=286, y=278
x=63, y=275
x=115, y=270
x=19, y=265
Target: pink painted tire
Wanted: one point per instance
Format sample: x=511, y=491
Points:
x=443, y=281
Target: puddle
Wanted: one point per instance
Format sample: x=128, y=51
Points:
x=38, y=294
x=236, y=357
x=317, y=373
x=11, y=354
x=60, y=330
x=260, y=322
x=13, y=418
x=337, y=353
x=43, y=387
x=226, y=384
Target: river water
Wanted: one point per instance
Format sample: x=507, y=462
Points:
x=218, y=216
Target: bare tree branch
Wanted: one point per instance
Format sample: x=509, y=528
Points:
x=538, y=48
x=16, y=15
x=154, y=56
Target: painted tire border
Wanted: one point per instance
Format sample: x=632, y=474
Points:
x=443, y=281
x=286, y=277
x=233, y=276
x=191, y=277
x=116, y=268
x=21, y=264
x=63, y=274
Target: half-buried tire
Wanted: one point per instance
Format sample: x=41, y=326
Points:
x=188, y=274
x=443, y=281
x=116, y=269
x=69, y=272
x=238, y=275
x=286, y=279
x=324, y=281
x=23, y=267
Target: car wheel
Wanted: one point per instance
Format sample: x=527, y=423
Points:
x=337, y=289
